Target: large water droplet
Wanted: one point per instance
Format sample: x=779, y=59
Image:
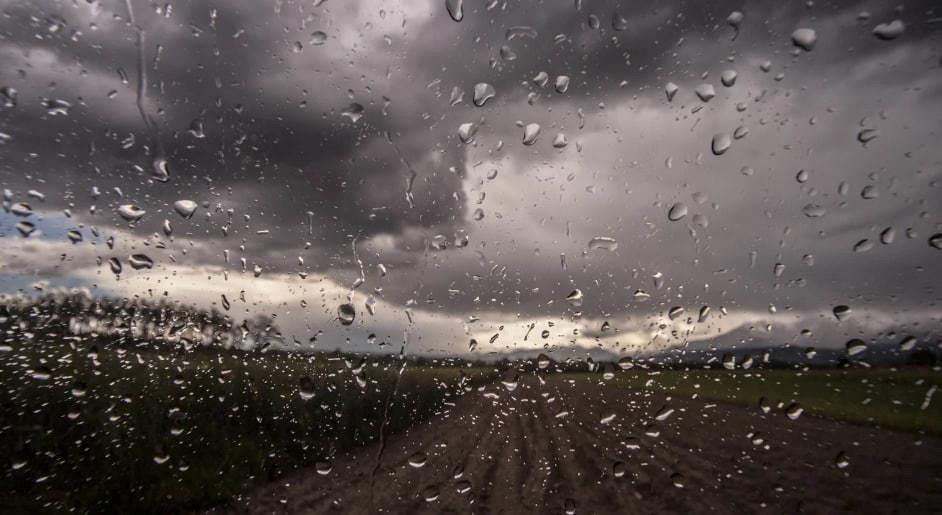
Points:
x=841, y=312
x=140, y=261
x=131, y=212
x=482, y=93
x=185, y=208
x=353, y=112
x=318, y=38
x=346, y=313
x=670, y=90
x=888, y=31
x=721, y=143
x=705, y=92
x=603, y=242
x=455, y=9
x=418, y=460
x=530, y=133
x=25, y=228
x=466, y=132
x=677, y=212
x=562, y=83
x=804, y=39
x=728, y=78
x=161, y=170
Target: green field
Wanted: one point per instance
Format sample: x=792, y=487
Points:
x=891, y=398
x=105, y=430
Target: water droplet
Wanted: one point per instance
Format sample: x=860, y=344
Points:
x=185, y=208
x=569, y=507
x=140, y=261
x=418, y=460
x=466, y=132
x=318, y=38
x=721, y=143
x=855, y=346
x=323, y=468
x=705, y=92
x=56, y=107
x=478, y=215
x=677, y=212
x=841, y=461
x=626, y=363
x=161, y=170
x=560, y=140
x=870, y=192
x=455, y=9
x=889, y=31
x=735, y=20
x=21, y=209
x=574, y=298
x=887, y=236
x=25, y=228
x=664, y=414
x=867, y=135
x=619, y=23
x=346, y=313
x=794, y=411
x=353, y=112
x=541, y=79
x=482, y=93
x=908, y=343
x=618, y=469
x=115, y=265
x=841, y=312
x=131, y=212
x=704, y=314
x=935, y=241
x=543, y=361
x=562, y=83
x=530, y=133
x=804, y=39
x=603, y=242
x=306, y=388
x=521, y=31
x=728, y=78
x=74, y=236
x=670, y=90
x=814, y=211
x=863, y=245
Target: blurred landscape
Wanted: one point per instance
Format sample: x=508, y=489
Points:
x=110, y=406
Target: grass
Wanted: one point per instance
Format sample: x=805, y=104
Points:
x=88, y=438
x=890, y=398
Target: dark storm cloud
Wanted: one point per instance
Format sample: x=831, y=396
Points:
x=277, y=147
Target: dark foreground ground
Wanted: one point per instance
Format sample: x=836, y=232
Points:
x=516, y=454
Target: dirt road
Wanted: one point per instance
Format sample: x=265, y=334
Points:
x=519, y=453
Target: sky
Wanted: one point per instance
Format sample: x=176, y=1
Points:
x=327, y=144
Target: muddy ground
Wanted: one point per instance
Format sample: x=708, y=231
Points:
x=517, y=454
